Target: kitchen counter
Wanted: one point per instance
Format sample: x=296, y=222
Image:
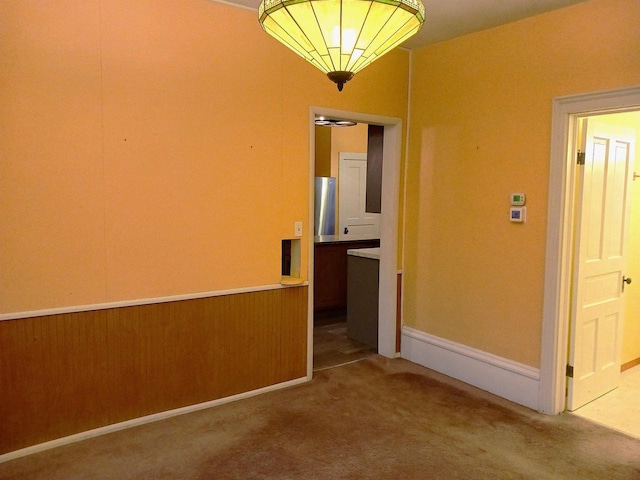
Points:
x=343, y=238
x=373, y=253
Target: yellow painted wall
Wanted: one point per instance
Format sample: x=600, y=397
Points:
x=347, y=139
x=480, y=130
x=155, y=147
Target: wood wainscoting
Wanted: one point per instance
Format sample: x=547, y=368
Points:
x=399, y=313
x=69, y=373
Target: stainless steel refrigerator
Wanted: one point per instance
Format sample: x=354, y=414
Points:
x=325, y=206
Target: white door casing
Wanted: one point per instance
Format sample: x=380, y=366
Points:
x=354, y=220
x=560, y=234
x=603, y=214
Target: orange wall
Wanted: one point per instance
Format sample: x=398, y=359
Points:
x=347, y=139
x=480, y=129
x=155, y=148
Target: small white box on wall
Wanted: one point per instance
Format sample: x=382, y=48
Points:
x=518, y=214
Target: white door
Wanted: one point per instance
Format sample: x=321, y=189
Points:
x=601, y=247
x=352, y=191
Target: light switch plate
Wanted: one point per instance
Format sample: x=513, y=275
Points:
x=297, y=226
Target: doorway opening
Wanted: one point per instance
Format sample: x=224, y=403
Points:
x=388, y=235
x=562, y=218
x=603, y=302
x=604, y=330
x=345, y=296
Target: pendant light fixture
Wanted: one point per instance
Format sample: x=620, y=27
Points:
x=341, y=37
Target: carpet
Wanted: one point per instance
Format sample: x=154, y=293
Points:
x=373, y=419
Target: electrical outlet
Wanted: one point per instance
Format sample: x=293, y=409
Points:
x=298, y=229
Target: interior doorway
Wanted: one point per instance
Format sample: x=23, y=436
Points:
x=342, y=154
x=560, y=234
x=604, y=148
x=387, y=286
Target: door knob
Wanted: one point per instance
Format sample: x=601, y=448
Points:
x=626, y=280
x=346, y=230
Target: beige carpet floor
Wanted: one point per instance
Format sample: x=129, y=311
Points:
x=373, y=419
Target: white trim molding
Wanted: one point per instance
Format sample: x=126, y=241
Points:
x=143, y=420
x=503, y=377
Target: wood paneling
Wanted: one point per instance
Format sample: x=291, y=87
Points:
x=631, y=364
x=375, y=145
x=64, y=374
x=398, y=312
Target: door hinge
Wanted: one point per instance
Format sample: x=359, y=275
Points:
x=569, y=371
x=580, y=157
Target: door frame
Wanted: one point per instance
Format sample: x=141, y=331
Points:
x=388, y=226
x=560, y=220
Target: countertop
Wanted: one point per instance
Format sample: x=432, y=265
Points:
x=342, y=238
x=373, y=253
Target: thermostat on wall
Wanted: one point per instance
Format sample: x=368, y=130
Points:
x=517, y=214
x=517, y=199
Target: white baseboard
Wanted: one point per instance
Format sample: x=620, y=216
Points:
x=500, y=376
x=142, y=420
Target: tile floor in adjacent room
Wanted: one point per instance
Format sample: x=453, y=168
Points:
x=619, y=409
x=331, y=345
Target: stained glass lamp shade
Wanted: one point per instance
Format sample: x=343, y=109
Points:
x=341, y=37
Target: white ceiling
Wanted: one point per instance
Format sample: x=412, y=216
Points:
x=447, y=19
